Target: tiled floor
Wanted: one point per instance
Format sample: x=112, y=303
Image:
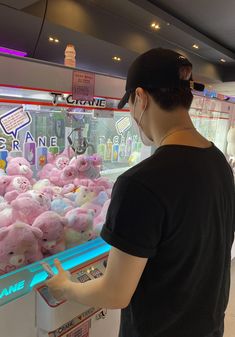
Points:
x=230, y=315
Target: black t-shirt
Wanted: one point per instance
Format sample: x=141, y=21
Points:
x=176, y=208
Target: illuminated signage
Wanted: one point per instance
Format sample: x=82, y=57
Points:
x=57, y=98
x=12, y=289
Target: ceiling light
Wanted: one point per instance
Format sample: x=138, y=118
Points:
x=56, y=41
x=155, y=26
x=51, y=39
x=117, y=58
x=222, y=60
x=195, y=46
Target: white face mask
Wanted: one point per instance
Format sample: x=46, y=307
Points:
x=145, y=140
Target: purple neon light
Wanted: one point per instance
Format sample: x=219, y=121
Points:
x=12, y=52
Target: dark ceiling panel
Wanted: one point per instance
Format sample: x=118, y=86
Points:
x=213, y=18
x=18, y=4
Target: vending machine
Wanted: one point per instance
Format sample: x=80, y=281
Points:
x=61, y=154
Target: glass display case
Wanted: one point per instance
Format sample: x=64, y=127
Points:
x=42, y=127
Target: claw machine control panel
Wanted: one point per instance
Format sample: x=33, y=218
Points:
x=67, y=319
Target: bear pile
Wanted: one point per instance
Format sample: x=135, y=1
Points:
x=66, y=206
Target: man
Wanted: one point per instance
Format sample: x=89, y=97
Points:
x=171, y=217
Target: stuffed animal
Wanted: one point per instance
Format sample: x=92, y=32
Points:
x=97, y=203
x=85, y=167
x=62, y=177
x=61, y=205
x=4, y=182
x=53, y=238
x=55, y=162
x=100, y=219
x=14, y=186
x=28, y=206
x=19, y=245
x=79, y=228
x=19, y=166
x=86, y=194
x=7, y=215
x=41, y=184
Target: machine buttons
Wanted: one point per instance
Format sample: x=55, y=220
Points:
x=96, y=273
x=83, y=278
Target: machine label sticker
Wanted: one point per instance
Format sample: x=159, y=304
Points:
x=61, y=331
x=81, y=331
x=83, y=85
x=123, y=124
x=58, y=98
x=15, y=120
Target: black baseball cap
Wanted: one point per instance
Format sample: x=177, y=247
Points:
x=157, y=68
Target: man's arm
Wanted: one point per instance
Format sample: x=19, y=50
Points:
x=114, y=290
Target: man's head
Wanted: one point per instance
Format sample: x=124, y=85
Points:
x=158, y=81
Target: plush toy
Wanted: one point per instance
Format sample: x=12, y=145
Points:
x=19, y=166
x=85, y=167
x=53, y=238
x=79, y=228
x=61, y=205
x=64, y=176
x=28, y=206
x=7, y=215
x=104, y=182
x=15, y=185
x=97, y=203
x=19, y=245
x=86, y=194
x=58, y=162
x=100, y=219
x=4, y=182
x=41, y=184
x=69, y=188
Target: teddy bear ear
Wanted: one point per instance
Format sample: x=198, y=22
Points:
x=37, y=232
x=65, y=221
x=3, y=232
x=9, y=159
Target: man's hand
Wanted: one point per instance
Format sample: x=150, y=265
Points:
x=58, y=283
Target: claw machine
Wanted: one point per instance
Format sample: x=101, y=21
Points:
x=59, y=158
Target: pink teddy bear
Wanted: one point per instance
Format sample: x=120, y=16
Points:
x=62, y=177
x=79, y=228
x=52, y=226
x=19, y=166
x=86, y=167
x=100, y=219
x=19, y=245
x=28, y=206
x=55, y=162
x=11, y=187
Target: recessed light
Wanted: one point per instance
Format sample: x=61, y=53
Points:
x=117, y=58
x=56, y=41
x=51, y=39
x=155, y=26
x=195, y=46
x=222, y=60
